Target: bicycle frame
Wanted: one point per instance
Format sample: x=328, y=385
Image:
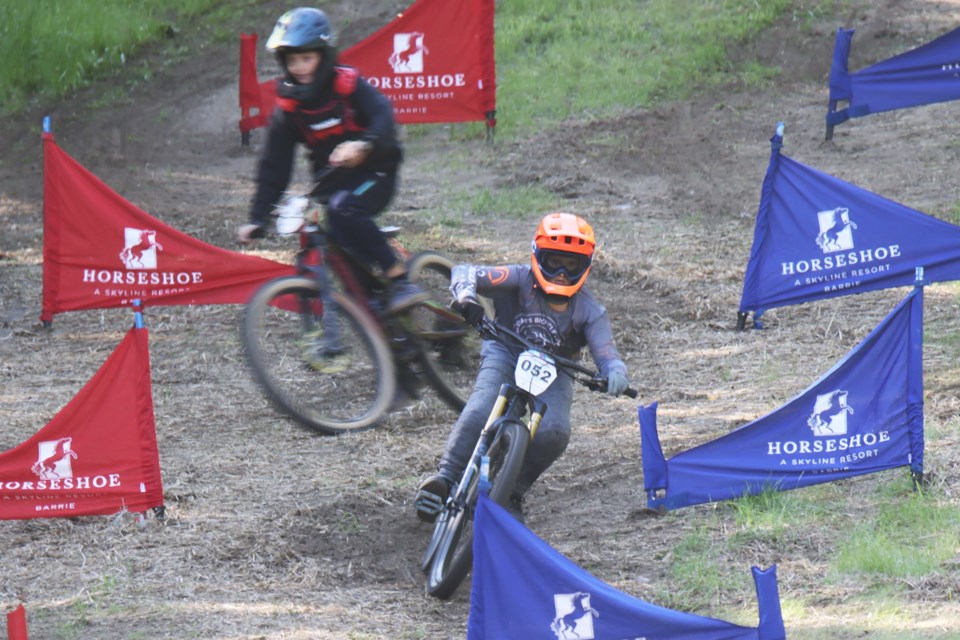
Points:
x=448, y=555
x=340, y=303
x=507, y=405
x=318, y=252
x=512, y=403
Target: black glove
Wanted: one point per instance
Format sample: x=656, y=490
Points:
x=249, y=233
x=471, y=310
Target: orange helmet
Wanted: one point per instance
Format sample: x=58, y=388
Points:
x=562, y=245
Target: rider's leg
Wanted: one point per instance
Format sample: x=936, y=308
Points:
x=351, y=215
x=552, y=436
x=496, y=367
x=351, y=212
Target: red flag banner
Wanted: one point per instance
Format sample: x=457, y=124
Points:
x=435, y=62
x=17, y=624
x=99, y=453
x=256, y=98
x=100, y=251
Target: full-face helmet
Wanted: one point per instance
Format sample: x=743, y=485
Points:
x=562, y=252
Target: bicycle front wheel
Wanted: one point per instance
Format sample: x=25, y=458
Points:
x=327, y=365
x=449, y=347
x=451, y=548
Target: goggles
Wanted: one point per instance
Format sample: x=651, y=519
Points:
x=572, y=265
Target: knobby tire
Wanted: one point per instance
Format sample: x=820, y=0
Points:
x=449, y=347
x=452, y=557
x=286, y=337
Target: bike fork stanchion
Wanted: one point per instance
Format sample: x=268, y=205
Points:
x=480, y=450
x=332, y=331
x=484, y=484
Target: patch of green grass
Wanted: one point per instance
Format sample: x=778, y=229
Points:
x=910, y=537
x=771, y=370
x=943, y=338
x=557, y=58
x=504, y=203
x=769, y=515
x=697, y=576
x=952, y=215
x=52, y=48
x=84, y=610
x=349, y=523
x=756, y=74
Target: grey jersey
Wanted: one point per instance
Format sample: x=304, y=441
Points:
x=519, y=305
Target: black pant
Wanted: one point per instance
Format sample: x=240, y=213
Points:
x=354, y=202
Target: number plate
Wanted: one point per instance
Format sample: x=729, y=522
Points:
x=535, y=372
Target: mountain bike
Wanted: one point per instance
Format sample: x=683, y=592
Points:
x=322, y=347
x=498, y=456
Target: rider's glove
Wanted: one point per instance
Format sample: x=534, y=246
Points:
x=471, y=310
x=249, y=233
x=616, y=383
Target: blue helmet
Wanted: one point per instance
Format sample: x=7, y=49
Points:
x=298, y=30
x=303, y=29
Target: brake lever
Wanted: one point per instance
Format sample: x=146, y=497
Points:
x=600, y=384
x=487, y=328
x=596, y=384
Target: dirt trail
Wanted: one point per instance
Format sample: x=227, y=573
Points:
x=274, y=533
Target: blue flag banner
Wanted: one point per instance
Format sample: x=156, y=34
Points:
x=862, y=416
x=524, y=588
x=925, y=75
x=818, y=237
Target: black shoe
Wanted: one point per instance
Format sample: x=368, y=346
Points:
x=325, y=361
x=325, y=358
x=431, y=496
x=403, y=295
x=515, y=507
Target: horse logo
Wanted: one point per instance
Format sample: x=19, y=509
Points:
x=408, y=52
x=575, y=616
x=835, y=230
x=140, y=248
x=829, y=417
x=53, y=460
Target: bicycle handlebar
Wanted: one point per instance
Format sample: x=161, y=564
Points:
x=322, y=176
x=491, y=330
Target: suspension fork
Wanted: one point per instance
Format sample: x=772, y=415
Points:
x=332, y=329
x=346, y=269
x=537, y=408
x=507, y=393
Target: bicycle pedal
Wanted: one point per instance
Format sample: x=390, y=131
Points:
x=405, y=352
x=452, y=355
x=409, y=382
x=327, y=363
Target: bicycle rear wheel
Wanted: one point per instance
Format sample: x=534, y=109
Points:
x=449, y=347
x=328, y=366
x=450, y=555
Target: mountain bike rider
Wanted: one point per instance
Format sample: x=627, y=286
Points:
x=345, y=123
x=547, y=303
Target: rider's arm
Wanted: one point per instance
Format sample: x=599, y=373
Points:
x=375, y=112
x=463, y=282
x=599, y=335
x=467, y=281
x=274, y=169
